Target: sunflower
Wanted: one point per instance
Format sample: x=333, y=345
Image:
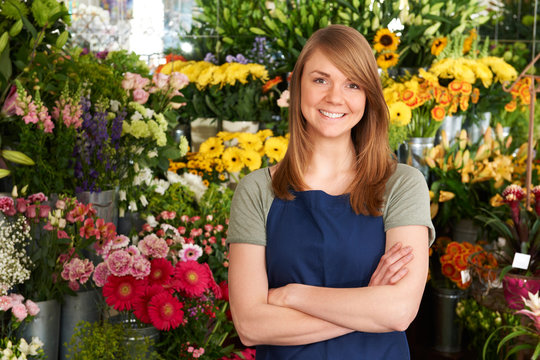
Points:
x=232, y=159
x=400, y=113
x=212, y=147
x=387, y=60
x=385, y=40
x=438, y=45
x=275, y=148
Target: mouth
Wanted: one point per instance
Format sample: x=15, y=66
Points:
x=332, y=115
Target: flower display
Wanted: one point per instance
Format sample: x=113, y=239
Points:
x=15, y=265
x=386, y=44
x=221, y=157
x=454, y=261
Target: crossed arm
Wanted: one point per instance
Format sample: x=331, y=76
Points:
x=299, y=314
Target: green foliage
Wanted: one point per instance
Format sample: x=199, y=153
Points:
x=479, y=322
x=106, y=341
x=397, y=135
x=122, y=61
x=177, y=197
x=216, y=201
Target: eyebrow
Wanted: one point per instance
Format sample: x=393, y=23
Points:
x=320, y=73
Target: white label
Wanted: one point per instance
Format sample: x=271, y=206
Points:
x=465, y=276
x=521, y=261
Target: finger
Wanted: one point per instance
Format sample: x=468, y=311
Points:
x=398, y=276
x=388, y=272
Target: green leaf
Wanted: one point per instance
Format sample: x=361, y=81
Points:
x=5, y=64
x=518, y=348
x=257, y=31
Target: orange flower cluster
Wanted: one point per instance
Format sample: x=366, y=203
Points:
x=485, y=266
x=455, y=260
x=520, y=93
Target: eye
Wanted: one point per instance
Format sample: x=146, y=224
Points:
x=354, y=86
x=319, y=81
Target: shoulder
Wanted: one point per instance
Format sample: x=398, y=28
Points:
x=258, y=180
x=404, y=174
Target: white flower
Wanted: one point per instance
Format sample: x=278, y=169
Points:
x=132, y=206
x=24, y=347
x=144, y=176
x=144, y=202
x=149, y=113
x=151, y=220
x=194, y=183
x=122, y=195
x=161, y=186
x=152, y=154
x=115, y=105
x=533, y=303
x=136, y=116
x=173, y=177
x=121, y=211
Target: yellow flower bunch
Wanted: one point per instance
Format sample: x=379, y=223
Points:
x=230, y=153
x=386, y=44
x=205, y=74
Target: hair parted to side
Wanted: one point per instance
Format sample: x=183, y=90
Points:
x=351, y=54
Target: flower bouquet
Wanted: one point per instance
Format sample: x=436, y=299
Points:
x=161, y=282
x=14, y=312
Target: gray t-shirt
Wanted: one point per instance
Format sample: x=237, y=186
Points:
x=406, y=202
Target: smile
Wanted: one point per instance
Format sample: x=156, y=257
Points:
x=331, y=115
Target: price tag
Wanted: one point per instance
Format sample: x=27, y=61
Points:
x=465, y=276
x=521, y=261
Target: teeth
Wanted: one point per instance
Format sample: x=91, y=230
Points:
x=331, y=115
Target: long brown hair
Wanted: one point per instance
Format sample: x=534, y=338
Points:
x=351, y=54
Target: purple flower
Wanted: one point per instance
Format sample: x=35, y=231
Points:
x=210, y=58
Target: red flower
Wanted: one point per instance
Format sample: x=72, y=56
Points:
x=160, y=271
x=165, y=311
x=122, y=292
x=140, y=307
x=191, y=277
x=224, y=286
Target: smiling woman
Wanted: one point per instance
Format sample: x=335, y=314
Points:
x=294, y=291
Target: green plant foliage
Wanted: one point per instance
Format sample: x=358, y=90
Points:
x=216, y=201
x=105, y=341
x=177, y=197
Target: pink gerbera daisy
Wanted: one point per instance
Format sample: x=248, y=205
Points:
x=140, y=307
x=190, y=252
x=122, y=292
x=160, y=271
x=191, y=277
x=165, y=311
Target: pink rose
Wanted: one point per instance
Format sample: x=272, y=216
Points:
x=44, y=211
x=128, y=82
x=32, y=307
x=20, y=311
x=160, y=80
x=21, y=205
x=61, y=234
x=140, y=82
x=73, y=285
x=178, y=80
x=60, y=204
x=31, y=211
x=140, y=96
x=16, y=298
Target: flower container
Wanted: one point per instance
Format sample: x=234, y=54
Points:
x=452, y=126
x=202, y=129
x=46, y=326
x=466, y=231
x=82, y=307
x=135, y=337
x=477, y=128
x=414, y=151
x=105, y=203
x=240, y=126
x=448, y=332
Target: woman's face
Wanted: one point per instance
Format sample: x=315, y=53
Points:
x=331, y=103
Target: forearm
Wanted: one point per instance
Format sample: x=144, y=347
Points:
x=276, y=325
x=368, y=309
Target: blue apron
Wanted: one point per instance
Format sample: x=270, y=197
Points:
x=318, y=240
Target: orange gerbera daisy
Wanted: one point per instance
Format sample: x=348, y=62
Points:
x=455, y=87
x=438, y=113
x=511, y=106
x=271, y=83
x=475, y=95
x=466, y=88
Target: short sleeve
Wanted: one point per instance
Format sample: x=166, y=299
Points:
x=249, y=209
x=407, y=200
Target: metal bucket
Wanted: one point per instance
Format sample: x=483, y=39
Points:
x=414, y=151
x=82, y=307
x=46, y=326
x=452, y=125
x=135, y=337
x=448, y=331
x=105, y=203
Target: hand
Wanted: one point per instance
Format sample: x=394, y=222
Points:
x=391, y=267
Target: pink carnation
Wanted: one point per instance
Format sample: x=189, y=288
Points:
x=6, y=204
x=77, y=270
x=37, y=197
x=16, y=298
x=100, y=274
x=5, y=303
x=20, y=311
x=32, y=307
x=153, y=246
x=160, y=80
x=141, y=267
x=119, y=263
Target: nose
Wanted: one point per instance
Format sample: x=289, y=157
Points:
x=334, y=94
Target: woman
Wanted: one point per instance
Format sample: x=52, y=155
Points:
x=329, y=248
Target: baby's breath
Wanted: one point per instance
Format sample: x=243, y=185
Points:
x=14, y=262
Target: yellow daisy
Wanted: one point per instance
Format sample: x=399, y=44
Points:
x=275, y=148
x=387, y=60
x=252, y=159
x=385, y=40
x=232, y=159
x=212, y=147
x=400, y=113
x=438, y=45
x=248, y=141
x=264, y=134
